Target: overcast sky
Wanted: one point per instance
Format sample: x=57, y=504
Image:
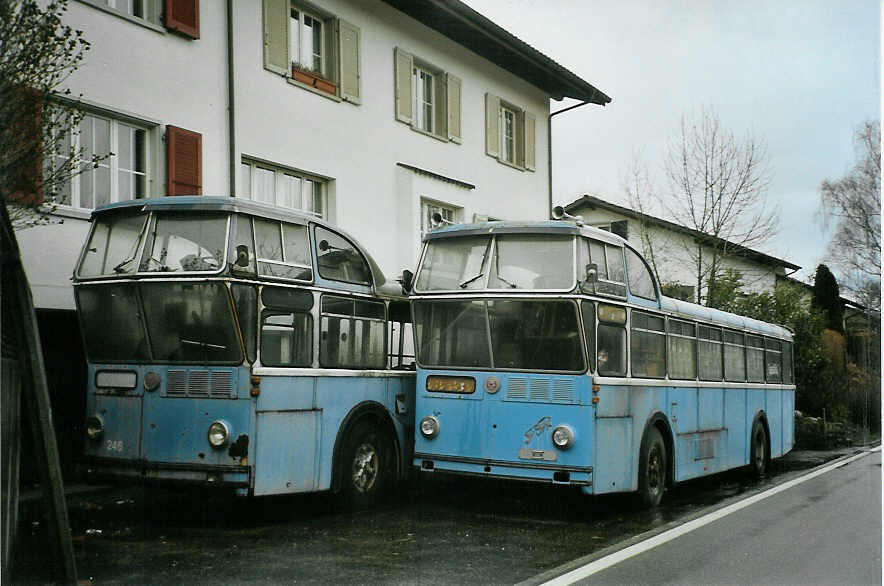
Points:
x=800, y=74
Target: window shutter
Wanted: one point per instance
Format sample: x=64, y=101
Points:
x=183, y=16
x=276, y=37
x=184, y=162
x=530, y=141
x=453, y=92
x=492, y=125
x=440, y=103
x=26, y=177
x=520, y=138
x=404, y=63
x=348, y=50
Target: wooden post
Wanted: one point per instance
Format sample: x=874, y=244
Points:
x=35, y=392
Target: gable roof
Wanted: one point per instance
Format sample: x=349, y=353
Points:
x=589, y=201
x=465, y=26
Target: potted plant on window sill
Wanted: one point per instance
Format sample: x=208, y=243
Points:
x=313, y=79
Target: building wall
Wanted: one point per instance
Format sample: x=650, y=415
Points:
x=158, y=78
x=675, y=254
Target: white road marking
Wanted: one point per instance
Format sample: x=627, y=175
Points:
x=638, y=548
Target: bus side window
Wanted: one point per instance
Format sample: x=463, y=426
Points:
x=352, y=333
x=648, y=345
x=401, y=336
x=286, y=327
x=339, y=260
x=588, y=308
x=710, y=353
x=787, y=363
x=612, y=340
x=641, y=284
x=754, y=359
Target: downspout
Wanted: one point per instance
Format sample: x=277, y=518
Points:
x=231, y=117
x=549, y=206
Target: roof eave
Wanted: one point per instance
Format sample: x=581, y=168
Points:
x=465, y=26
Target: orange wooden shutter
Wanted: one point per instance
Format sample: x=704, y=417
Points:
x=184, y=16
x=184, y=161
x=26, y=185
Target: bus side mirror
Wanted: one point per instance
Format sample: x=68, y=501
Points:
x=242, y=255
x=590, y=278
x=406, y=280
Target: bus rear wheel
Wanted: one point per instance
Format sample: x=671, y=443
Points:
x=652, y=469
x=758, y=451
x=367, y=465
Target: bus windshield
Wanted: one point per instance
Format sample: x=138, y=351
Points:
x=182, y=322
x=112, y=245
x=504, y=261
x=524, y=334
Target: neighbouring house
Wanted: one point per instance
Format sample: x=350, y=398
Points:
x=671, y=249
x=371, y=114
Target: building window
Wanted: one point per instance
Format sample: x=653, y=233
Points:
x=312, y=49
x=283, y=187
x=422, y=83
x=428, y=208
x=306, y=38
x=427, y=98
x=510, y=133
x=121, y=167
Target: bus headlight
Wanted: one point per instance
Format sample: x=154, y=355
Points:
x=429, y=427
x=563, y=437
x=218, y=434
x=94, y=427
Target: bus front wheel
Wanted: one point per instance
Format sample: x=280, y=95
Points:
x=367, y=463
x=652, y=469
x=758, y=456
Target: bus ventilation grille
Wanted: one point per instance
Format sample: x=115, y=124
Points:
x=216, y=384
x=538, y=389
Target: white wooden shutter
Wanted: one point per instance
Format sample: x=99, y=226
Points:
x=492, y=125
x=404, y=63
x=530, y=141
x=276, y=36
x=348, y=50
x=453, y=99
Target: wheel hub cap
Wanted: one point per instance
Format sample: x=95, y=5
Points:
x=365, y=467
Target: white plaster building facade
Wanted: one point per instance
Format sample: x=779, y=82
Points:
x=675, y=249
x=370, y=113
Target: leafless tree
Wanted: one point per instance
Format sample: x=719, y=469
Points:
x=640, y=193
x=853, y=205
x=38, y=53
x=718, y=186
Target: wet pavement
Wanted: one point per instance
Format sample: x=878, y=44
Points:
x=439, y=530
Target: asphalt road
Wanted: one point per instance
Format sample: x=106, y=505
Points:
x=826, y=530
x=439, y=530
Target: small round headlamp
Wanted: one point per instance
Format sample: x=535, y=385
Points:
x=563, y=437
x=94, y=427
x=151, y=381
x=429, y=427
x=218, y=434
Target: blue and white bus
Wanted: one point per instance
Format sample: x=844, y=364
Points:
x=546, y=352
x=239, y=345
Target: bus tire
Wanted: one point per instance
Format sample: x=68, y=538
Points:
x=758, y=450
x=367, y=466
x=652, y=469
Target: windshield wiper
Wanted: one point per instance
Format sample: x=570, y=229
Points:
x=203, y=344
x=497, y=266
x=481, y=271
x=470, y=280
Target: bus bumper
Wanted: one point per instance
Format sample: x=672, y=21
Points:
x=165, y=473
x=569, y=475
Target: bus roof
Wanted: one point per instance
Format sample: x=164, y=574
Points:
x=253, y=208
x=722, y=318
x=522, y=227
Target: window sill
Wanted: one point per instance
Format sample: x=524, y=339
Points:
x=133, y=19
x=430, y=134
x=313, y=89
x=508, y=164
